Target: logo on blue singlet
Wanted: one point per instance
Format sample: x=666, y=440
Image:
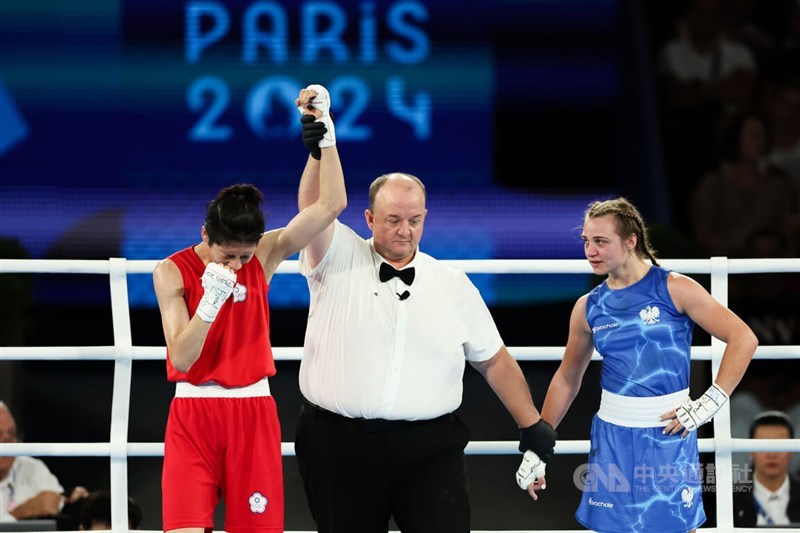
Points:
x=258, y=503
x=604, y=326
x=650, y=315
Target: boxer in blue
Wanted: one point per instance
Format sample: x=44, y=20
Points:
x=643, y=472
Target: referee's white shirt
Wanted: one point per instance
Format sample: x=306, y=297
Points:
x=368, y=354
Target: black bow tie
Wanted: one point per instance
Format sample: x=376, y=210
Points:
x=387, y=272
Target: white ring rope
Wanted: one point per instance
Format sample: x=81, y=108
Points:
x=484, y=447
x=123, y=353
x=473, y=266
x=156, y=353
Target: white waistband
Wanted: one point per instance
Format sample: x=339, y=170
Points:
x=184, y=389
x=634, y=412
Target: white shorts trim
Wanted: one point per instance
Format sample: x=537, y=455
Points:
x=634, y=412
x=184, y=389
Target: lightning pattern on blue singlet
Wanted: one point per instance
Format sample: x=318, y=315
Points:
x=645, y=342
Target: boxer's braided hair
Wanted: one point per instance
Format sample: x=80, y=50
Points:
x=629, y=221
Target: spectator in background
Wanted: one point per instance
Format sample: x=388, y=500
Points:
x=784, y=111
x=773, y=499
x=703, y=66
x=27, y=487
x=96, y=512
x=704, y=77
x=741, y=196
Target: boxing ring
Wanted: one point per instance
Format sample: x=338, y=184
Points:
x=124, y=353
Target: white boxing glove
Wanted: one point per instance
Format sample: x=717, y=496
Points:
x=323, y=102
x=218, y=283
x=695, y=413
x=531, y=469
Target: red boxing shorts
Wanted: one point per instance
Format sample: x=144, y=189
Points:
x=216, y=444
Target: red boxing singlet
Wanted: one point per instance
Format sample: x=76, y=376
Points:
x=237, y=351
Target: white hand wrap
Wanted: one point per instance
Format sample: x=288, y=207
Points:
x=218, y=283
x=323, y=102
x=531, y=469
x=695, y=413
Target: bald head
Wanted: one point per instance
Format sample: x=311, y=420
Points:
x=396, y=216
x=406, y=182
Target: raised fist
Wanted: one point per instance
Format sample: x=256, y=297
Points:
x=218, y=282
x=313, y=131
x=318, y=104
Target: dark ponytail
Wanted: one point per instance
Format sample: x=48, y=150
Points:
x=235, y=216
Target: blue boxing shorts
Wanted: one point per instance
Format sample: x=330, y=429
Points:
x=638, y=479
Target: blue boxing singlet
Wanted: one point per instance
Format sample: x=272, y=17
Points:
x=638, y=479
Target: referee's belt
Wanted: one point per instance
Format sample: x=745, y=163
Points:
x=370, y=425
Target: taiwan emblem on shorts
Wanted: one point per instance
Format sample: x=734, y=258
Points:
x=239, y=295
x=649, y=315
x=258, y=503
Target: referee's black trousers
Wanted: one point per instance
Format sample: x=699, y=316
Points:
x=357, y=473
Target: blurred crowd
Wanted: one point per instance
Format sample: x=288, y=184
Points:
x=729, y=95
x=729, y=91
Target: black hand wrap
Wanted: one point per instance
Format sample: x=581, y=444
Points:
x=539, y=438
x=312, y=135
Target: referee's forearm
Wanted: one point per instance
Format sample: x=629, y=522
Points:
x=507, y=381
